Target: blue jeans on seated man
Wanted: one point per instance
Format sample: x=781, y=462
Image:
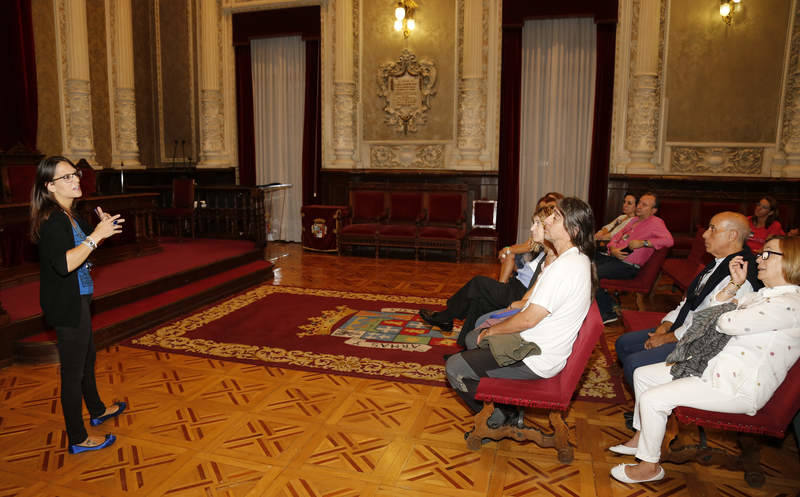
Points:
x=632, y=354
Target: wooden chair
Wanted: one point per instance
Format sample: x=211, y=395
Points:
x=182, y=209
x=551, y=394
x=484, y=224
x=683, y=271
x=645, y=280
x=443, y=227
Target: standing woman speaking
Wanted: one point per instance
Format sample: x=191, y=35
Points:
x=65, y=292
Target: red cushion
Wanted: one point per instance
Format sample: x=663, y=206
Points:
x=682, y=271
x=88, y=181
x=445, y=208
x=645, y=278
x=401, y=230
x=20, y=182
x=710, y=209
x=550, y=393
x=641, y=320
x=183, y=193
x=361, y=229
x=772, y=419
x=484, y=213
x=367, y=205
x=677, y=215
x=438, y=232
x=405, y=206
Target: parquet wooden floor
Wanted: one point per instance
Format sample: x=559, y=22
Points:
x=199, y=427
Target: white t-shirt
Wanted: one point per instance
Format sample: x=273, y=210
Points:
x=565, y=289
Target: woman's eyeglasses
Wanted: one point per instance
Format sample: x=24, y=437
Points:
x=68, y=177
x=765, y=254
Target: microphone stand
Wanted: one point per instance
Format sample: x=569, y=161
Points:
x=121, y=177
x=183, y=152
x=174, y=151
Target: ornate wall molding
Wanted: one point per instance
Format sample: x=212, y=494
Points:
x=72, y=47
x=471, y=118
x=648, y=30
x=407, y=156
x=790, y=130
x=212, y=124
x=122, y=104
x=344, y=121
x=472, y=45
x=717, y=160
x=407, y=86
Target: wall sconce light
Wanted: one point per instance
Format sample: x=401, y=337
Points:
x=727, y=8
x=404, y=17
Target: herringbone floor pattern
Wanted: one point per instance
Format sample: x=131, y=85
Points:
x=208, y=428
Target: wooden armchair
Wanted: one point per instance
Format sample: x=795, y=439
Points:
x=182, y=209
x=443, y=227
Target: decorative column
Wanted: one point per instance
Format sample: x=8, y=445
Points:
x=472, y=94
x=73, y=48
x=212, y=119
x=789, y=146
x=643, y=97
x=124, y=142
x=344, y=87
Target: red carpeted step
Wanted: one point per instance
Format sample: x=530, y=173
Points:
x=131, y=312
x=22, y=301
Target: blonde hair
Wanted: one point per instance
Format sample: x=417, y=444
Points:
x=790, y=264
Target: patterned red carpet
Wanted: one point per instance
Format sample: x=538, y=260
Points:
x=358, y=334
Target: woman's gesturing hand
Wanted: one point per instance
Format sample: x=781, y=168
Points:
x=738, y=270
x=108, y=226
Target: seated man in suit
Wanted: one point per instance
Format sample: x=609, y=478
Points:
x=630, y=248
x=724, y=239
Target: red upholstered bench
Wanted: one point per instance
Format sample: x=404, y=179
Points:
x=773, y=419
x=645, y=279
x=552, y=394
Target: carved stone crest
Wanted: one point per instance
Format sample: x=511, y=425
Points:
x=407, y=86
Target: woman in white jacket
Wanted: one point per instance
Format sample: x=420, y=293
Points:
x=764, y=345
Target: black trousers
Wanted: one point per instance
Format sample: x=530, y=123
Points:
x=77, y=355
x=480, y=295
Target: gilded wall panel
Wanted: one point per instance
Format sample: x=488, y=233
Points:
x=724, y=82
x=434, y=39
x=48, y=132
x=98, y=71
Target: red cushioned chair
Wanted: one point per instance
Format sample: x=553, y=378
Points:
x=182, y=209
x=551, y=394
x=367, y=210
x=773, y=419
x=683, y=271
x=405, y=215
x=484, y=224
x=677, y=216
x=645, y=280
x=443, y=227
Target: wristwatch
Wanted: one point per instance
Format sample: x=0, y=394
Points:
x=646, y=243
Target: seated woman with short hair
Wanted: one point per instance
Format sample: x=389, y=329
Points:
x=762, y=342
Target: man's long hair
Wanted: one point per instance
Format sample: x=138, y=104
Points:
x=579, y=223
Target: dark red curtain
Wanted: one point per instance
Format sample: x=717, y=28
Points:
x=18, y=100
x=601, y=129
x=312, y=126
x=244, y=116
x=510, y=109
x=303, y=21
x=515, y=13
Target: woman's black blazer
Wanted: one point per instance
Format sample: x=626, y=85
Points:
x=59, y=292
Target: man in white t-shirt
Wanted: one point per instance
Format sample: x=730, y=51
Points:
x=550, y=319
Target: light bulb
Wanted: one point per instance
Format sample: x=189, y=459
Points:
x=398, y=25
x=736, y=1
x=400, y=13
x=410, y=23
x=724, y=9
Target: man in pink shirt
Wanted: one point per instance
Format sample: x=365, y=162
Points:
x=630, y=248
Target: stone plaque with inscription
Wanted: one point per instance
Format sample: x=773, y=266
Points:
x=407, y=86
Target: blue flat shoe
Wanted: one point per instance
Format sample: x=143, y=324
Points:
x=100, y=420
x=77, y=449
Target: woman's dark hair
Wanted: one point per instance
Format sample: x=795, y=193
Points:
x=773, y=209
x=579, y=223
x=42, y=202
x=629, y=194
